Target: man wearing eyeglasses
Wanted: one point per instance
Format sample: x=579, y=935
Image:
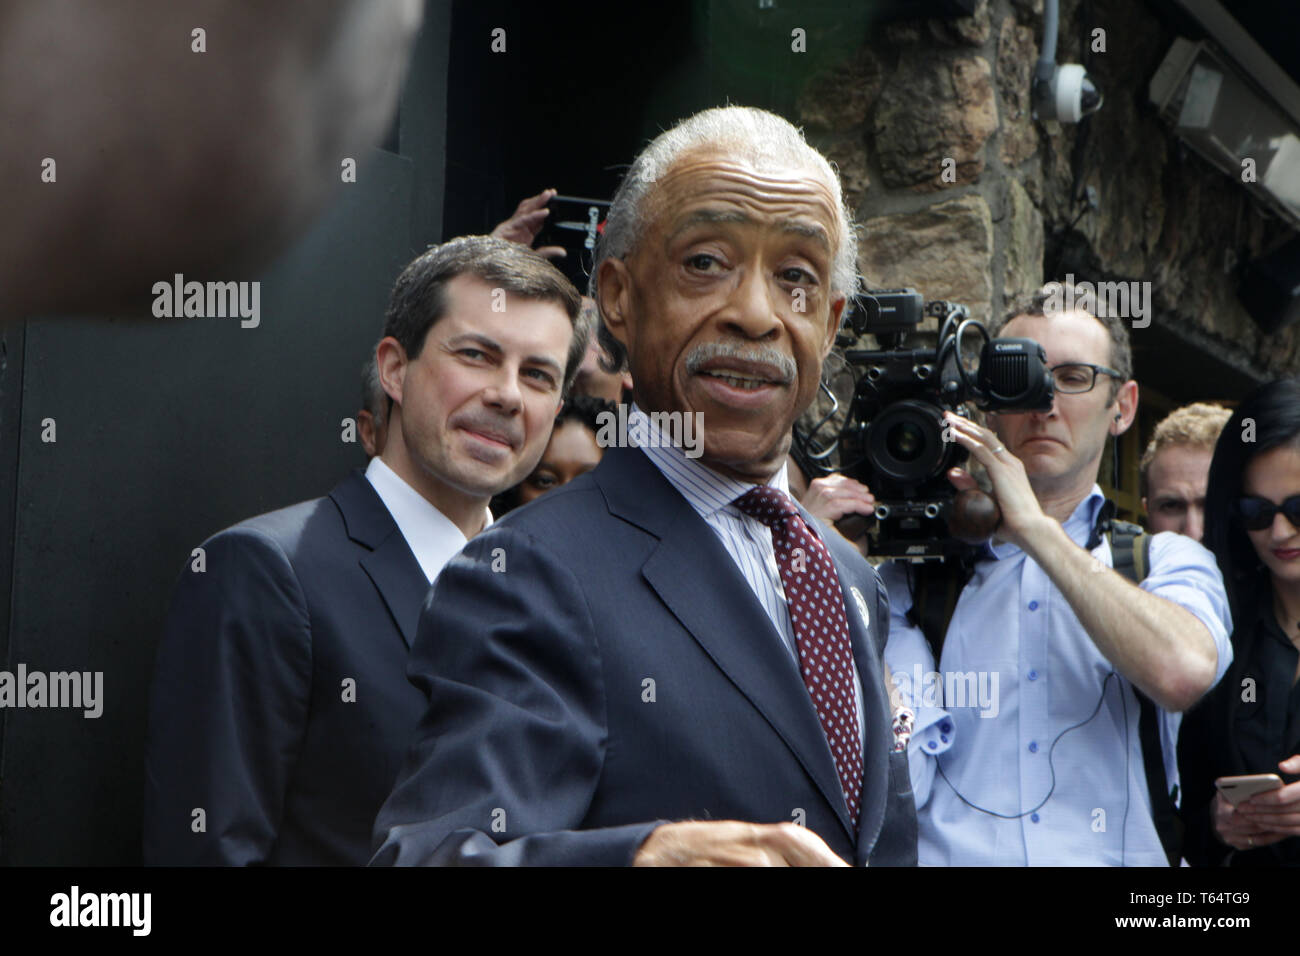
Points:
x=1051, y=771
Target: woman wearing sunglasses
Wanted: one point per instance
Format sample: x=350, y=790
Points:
x=1250, y=723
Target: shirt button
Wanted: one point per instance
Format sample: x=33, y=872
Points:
x=1033, y=746
x=932, y=745
x=1033, y=675
x=943, y=737
x=945, y=727
x=1033, y=817
x=1033, y=605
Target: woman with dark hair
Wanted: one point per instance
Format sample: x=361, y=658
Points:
x=1250, y=723
x=572, y=451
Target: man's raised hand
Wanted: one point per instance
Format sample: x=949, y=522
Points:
x=1021, y=511
x=526, y=223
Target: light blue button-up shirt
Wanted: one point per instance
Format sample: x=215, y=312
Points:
x=993, y=724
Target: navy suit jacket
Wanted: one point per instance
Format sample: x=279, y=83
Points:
x=249, y=717
x=595, y=663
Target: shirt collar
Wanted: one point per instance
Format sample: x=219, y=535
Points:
x=1267, y=621
x=1078, y=526
x=433, y=538
x=704, y=489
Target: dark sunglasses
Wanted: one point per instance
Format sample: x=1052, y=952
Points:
x=1258, y=513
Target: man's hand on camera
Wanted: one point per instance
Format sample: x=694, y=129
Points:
x=526, y=223
x=1022, y=516
x=833, y=497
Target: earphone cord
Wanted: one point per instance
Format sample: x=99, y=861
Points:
x=1051, y=750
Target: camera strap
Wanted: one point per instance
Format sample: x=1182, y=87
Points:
x=937, y=586
x=1130, y=549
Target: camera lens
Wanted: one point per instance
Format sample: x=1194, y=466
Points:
x=905, y=441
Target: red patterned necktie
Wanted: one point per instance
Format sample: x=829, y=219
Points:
x=821, y=631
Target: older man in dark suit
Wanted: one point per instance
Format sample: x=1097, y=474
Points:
x=668, y=661
x=280, y=707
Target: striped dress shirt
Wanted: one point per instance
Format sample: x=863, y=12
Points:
x=746, y=539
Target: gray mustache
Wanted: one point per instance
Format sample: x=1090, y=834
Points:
x=782, y=366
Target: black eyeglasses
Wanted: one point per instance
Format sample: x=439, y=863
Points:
x=1258, y=513
x=1075, y=378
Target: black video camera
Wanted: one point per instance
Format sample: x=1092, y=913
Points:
x=895, y=440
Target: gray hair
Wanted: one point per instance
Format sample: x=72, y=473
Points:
x=753, y=135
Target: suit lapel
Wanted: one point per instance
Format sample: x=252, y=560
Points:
x=875, y=697
x=388, y=560
x=700, y=584
x=402, y=587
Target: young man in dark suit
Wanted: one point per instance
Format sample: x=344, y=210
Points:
x=678, y=665
x=280, y=708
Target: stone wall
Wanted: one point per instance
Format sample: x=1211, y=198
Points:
x=919, y=96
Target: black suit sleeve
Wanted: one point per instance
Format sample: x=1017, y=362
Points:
x=506, y=761
x=228, y=706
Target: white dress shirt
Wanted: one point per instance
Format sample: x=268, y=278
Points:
x=433, y=538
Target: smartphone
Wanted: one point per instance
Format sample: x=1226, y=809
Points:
x=1237, y=789
x=575, y=223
